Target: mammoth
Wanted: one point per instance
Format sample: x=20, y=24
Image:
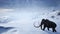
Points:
x=47, y=24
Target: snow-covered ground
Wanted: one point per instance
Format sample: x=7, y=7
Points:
x=23, y=22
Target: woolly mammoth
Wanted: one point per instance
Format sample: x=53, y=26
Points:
x=47, y=24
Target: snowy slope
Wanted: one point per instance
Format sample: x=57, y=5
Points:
x=23, y=22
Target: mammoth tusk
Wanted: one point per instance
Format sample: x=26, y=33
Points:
x=36, y=26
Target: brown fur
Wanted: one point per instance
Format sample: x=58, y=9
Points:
x=49, y=24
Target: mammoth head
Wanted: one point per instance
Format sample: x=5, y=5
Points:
x=42, y=22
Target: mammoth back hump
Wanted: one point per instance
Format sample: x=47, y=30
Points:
x=53, y=24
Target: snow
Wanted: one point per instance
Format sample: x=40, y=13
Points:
x=23, y=22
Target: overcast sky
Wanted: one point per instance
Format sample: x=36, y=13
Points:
x=13, y=4
x=19, y=3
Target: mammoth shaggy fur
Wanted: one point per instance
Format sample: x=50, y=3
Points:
x=47, y=23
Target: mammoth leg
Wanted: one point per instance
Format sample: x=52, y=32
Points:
x=53, y=29
x=41, y=27
x=44, y=27
x=48, y=28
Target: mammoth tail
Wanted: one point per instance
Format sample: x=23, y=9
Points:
x=36, y=26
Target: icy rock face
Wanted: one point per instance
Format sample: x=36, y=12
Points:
x=52, y=16
x=4, y=29
x=58, y=14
